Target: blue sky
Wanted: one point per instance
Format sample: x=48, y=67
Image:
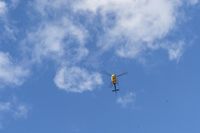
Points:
x=53, y=54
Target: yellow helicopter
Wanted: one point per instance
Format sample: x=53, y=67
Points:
x=114, y=80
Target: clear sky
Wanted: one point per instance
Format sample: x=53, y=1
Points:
x=53, y=55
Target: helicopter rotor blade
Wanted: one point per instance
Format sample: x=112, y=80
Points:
x=121, y=74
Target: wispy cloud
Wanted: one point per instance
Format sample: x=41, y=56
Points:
x=64, y=43
x=193, y=2
x=3, y=8
x=175, y=50
x=47, y=7
x=7, y=28
x=17, y=110
x=56, y=39
x=127, y=99
x=11, y=73
x=129, y=27
x=137, y=24
x=12, y=109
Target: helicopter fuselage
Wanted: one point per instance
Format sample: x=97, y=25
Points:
x=114, y=82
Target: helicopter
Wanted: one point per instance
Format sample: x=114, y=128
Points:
x=114, y=80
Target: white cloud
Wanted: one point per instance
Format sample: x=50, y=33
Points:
x=175, y=50
x=75, y=79
x=3, y=7
x=10, y=73
x=138, y=24
x=127, y=99
x=51, y=40
x=63, y=42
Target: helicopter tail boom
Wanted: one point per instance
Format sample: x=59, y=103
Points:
x=115, y=88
